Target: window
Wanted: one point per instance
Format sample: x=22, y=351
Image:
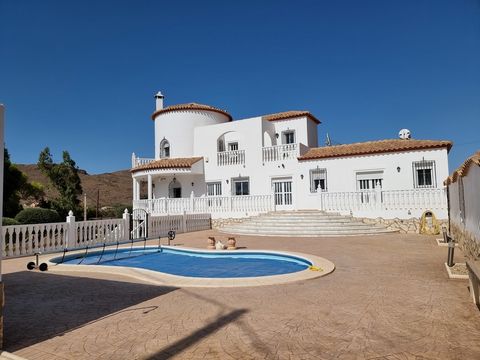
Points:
x=369, y=180
x=220, y=145
x=424, y=174
x=214, y=189
x=318, y=180
x=289, y=137
x=164, y=148
x=240, y=186
x=232, y=146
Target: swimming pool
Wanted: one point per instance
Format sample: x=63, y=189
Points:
x=189, y=267
x=190, y=263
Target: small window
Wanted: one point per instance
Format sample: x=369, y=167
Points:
x=424, y=174
x=369, y=180
x=232, y=146
x=240, y=186
x=214, y=189
x=220, y=145
x=318, y=180
x=289, y=137
x=164, y=148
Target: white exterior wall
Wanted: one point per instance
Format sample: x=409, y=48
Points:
x=312, y=134
x=195, y=133
x=249, y=135
x=177, y=127
x=341, y=172
x=454, y=203
x=471, y=189
x=161, y=183
x=300, y=125
x=341, y=176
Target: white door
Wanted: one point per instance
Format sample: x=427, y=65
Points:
x=282, y=191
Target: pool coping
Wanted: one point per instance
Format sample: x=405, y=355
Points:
x=164, y=279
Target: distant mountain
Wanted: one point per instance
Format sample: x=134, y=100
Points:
x=114, y=188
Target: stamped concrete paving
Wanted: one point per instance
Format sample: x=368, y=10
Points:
x=389, y=298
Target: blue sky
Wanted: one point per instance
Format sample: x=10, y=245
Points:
x=80, y=76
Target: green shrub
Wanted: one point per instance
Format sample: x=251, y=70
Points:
x=114, y=211
x=37, y=216
x=9, y=221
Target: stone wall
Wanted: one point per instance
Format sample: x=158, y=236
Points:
x=218, y=223
x=404, y=226
x=467, y=242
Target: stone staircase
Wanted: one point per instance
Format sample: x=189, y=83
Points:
x=303, y=223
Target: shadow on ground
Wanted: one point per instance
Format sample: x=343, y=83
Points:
x=54, y=304
x=198, y=335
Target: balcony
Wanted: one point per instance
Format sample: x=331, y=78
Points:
x=280, y=152
x=233, y=157
x=138, y=161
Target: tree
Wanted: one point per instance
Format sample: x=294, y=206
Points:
x=64, y=177
x=13, y=181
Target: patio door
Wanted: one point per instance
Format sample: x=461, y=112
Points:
x=282, y=191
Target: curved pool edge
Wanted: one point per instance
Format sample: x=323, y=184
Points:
x=165, y=279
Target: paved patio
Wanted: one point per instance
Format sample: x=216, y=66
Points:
x=389, y=298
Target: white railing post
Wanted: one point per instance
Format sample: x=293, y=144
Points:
x=192, y=196
x=71, y=231
x=133, y=160
x=184, y=222
x=126, y=225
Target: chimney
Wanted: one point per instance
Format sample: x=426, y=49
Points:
x=159, y=101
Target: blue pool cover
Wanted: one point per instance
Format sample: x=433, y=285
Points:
x=196, y=264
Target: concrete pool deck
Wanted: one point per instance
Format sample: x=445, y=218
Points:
x=388, y=298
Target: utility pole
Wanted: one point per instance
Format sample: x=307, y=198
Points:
x=84, y=206
x=98, y=200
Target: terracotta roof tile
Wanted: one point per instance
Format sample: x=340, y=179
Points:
x=190, y=106
x=373, y=147
x=291, y=114
x=170, y=163
x=463, y=169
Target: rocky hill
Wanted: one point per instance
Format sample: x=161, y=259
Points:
x=114, y=188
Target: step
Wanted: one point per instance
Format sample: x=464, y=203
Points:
x=304, y=223
x=310, y=227
x=290, y=222
x=310, y=234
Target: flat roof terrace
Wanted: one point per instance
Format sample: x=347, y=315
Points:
x=389, y=298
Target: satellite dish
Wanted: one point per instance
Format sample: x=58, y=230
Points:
x=405, y=134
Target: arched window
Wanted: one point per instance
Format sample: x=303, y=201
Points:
x=164, y=148
x=174, y=189
x=220, y=145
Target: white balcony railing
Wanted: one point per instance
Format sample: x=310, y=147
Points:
x=252, y=204
x=280, y=152
x=138, y=161
x=380, y=201
x=233, y=157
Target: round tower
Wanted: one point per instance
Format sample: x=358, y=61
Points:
x=174, y=126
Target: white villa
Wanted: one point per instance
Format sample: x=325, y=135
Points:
x=206, y=162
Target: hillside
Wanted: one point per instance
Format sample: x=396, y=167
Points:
x=114, y=188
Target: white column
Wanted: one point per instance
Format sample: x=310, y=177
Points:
x=149, y=177
x=137, y=189
x=71, y=242
x=134, y=189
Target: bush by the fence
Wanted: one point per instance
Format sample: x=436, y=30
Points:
x=37, y=216
x=9, y=221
